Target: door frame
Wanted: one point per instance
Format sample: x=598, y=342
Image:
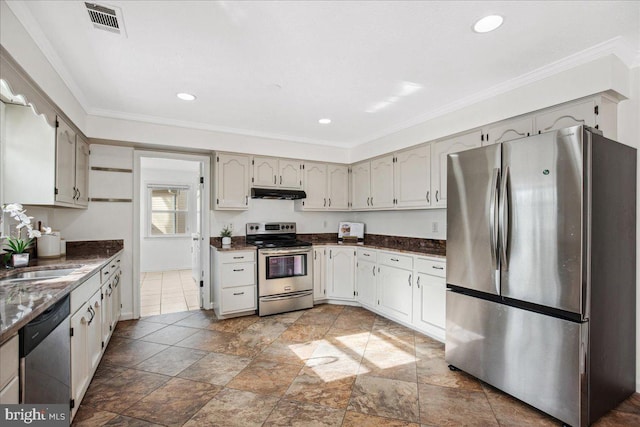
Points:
x=138, y=198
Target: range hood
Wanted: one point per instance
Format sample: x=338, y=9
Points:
x=277, y=193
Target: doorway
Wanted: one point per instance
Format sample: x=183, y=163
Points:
x=171, y=229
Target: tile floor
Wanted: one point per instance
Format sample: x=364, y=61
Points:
x=167, y=292
x=327, y=366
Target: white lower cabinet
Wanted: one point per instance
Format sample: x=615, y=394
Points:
x=429, y=297
x=395, y=283
x=95, y=310
x=366, y=274
x=9, y=376
x=319, y=271
x=340, y=278
x=234, y=282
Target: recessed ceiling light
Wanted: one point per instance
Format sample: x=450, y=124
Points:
x=186, y=96
x=324, y=121
x=488, y=23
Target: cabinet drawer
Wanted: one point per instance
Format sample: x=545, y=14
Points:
x=82, y=293
x=396, y=260
x=229, y=257
x=242, y=298
x=239, y=274
x=9, y=361
x=105, y=273
x=434, y=268
x=367, y=255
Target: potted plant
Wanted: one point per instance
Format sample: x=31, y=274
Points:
x=16, y=246
x=226, y=235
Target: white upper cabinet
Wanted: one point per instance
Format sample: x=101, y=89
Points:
x=269, y=172
x=338, y=187
x=82, y=172
x=57, y=175
x=315, y=185
x=231, y=181
x=412, y=178
x=382, y=182
x=290, y=174
x=508, y=131
x=439, y=152
x=361, y=185
x=265, y=172
x=582, y=113
x=327, y=187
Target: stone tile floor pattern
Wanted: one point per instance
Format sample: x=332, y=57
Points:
x=165, y=292
x=328, y=366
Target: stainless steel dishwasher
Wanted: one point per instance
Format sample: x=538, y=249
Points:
x=45, y=357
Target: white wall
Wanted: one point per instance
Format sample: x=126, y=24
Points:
x=167, y=253
x=411, y=223
x=277, y=210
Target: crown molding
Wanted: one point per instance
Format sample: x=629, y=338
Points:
x=161, y=121
x=617, y=46
x=22, y=12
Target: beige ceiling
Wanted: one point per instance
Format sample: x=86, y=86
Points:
x=273, y=68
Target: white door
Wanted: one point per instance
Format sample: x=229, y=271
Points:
x=315, y=185
x=382, y=182
x=340, y=273
x=232, y=181
x=513, y=129
x=439, y=152
x=290, y=174
x=65, y=163
x=366, y=282
x=412, y=177
x=361, y=186
x=395, y=291
x=338, y=187
x=319, y=287
x=82, y=172
x=570, y=115
x=265, y=172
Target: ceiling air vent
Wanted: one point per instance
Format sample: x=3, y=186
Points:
x=105, y=18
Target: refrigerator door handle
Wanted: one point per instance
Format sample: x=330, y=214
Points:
x=493, y=218
x=504, y=219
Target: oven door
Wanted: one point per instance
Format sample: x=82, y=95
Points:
x=282, y=271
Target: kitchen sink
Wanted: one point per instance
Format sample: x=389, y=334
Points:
x=21, y=276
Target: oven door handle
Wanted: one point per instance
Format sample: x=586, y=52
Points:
x=290, y=251
x=287, y=296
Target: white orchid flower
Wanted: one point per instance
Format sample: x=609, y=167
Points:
x=12, y=207
x=34, y=233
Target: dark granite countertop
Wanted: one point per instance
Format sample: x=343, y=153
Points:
x=383, y=248
x=234, y=247
x=22, y=302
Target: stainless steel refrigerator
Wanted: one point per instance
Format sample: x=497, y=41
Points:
x=541, y=273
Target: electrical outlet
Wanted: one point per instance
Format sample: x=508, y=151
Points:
x=434, y=227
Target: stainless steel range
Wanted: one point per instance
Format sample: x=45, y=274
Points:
x=285, y=278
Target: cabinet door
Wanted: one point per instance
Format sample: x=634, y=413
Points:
x=429, y=301
x=319, y=285
x=107, y=310
x=382, y=182
x=582, y=113
x=290, y=174
x=315, y=185
x=82, y=172
x=65, y=163
x=116, y=304
x=338, y=186
x=412, y=178
x=395, y=290
x=80, y=371
x=232, y=184
x=361, y=186
x=439, y=152
x=340, y=273
x=95, y=331
x=265, y=172
x=508, y=131
x=366, y=283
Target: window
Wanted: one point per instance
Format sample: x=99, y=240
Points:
x=169, y=210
